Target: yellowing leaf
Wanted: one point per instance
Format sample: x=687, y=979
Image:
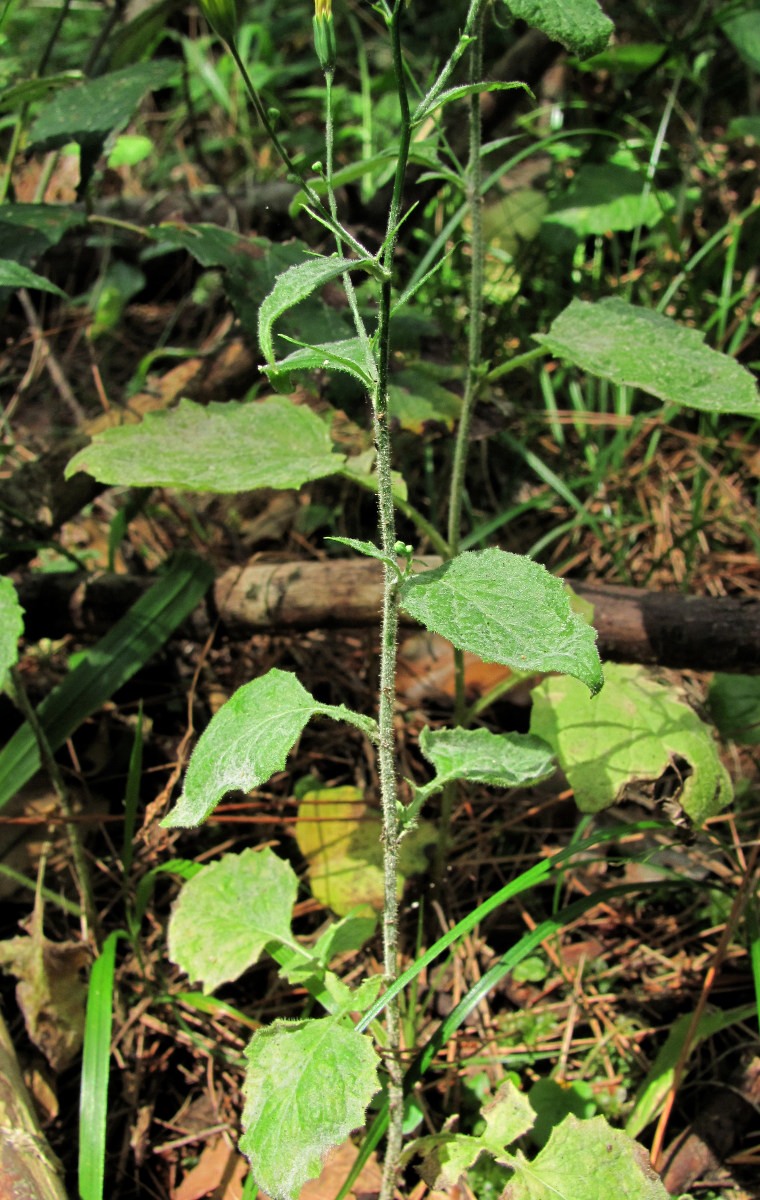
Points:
x=340, y=838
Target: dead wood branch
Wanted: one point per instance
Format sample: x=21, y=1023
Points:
x=28, y=1166
x=701, y=633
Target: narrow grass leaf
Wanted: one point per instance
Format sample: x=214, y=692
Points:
x=132, y=796
x=93, y=1099
x=652, y=1092
x=132, y=641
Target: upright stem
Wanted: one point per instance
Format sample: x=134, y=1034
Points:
x=472, y=383
x=386, y=747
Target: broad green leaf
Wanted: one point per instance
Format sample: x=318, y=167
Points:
x=498, y=759
x=341, y=840
x=561, y=1171
x=662, y=1073
x=307, y=1086
x=447, y=1156
x=744, y=127
x=227, y=913
x=248, y=740
x=579, y=25
x=643, y=349
x=740, y=21
x=232, y=447
x=623, y=744
x=107, y=666
x=347, y=355
x=14, y=275
x=734, y=702
x=607, y=197
x=11, y=627
x=88, y=111
x=416, y=400
x=506, y=609
x=553, y=1101
x=295, y=285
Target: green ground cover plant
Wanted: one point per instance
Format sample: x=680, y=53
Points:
x=309, y=1082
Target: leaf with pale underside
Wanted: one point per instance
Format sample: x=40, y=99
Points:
x=248, y=740
x=579, y=25
x=497, y=759
x=227, y=914
x=295, y=285
x=218, y=448
x=307, y=1086
x=644, y=349
x=506, y=609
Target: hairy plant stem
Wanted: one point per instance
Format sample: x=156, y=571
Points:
x=389, y=629
x=472, y=385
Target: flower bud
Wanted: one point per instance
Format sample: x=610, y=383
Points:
x=324, y=34
x=222, y=16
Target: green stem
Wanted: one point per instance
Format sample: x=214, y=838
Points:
x=472, y=385
x=389, y=630
x=423, y=526
x=321, y=213
x=512, y=364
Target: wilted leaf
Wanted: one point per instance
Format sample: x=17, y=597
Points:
x=341, y=840
x=635, y=732
x=51, y=992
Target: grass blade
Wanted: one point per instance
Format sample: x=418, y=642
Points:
x=93, y=1096
x=133, y=640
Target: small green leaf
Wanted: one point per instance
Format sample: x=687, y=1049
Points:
x=497, y=759
x=366, y=548
x=579, y=25
x=734, y=702
x=14, y=275
x=347, y=355
x=307, y=1086
x=295, y=285
x=227, y=913
x=447, y=1156
x=248, y=740
x=217, y=448
x=605, y=197
x=466, y=89
x=624, y=743
x=506, y=609
x=561, y=1170
x=643, y=349
x=11, y=627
